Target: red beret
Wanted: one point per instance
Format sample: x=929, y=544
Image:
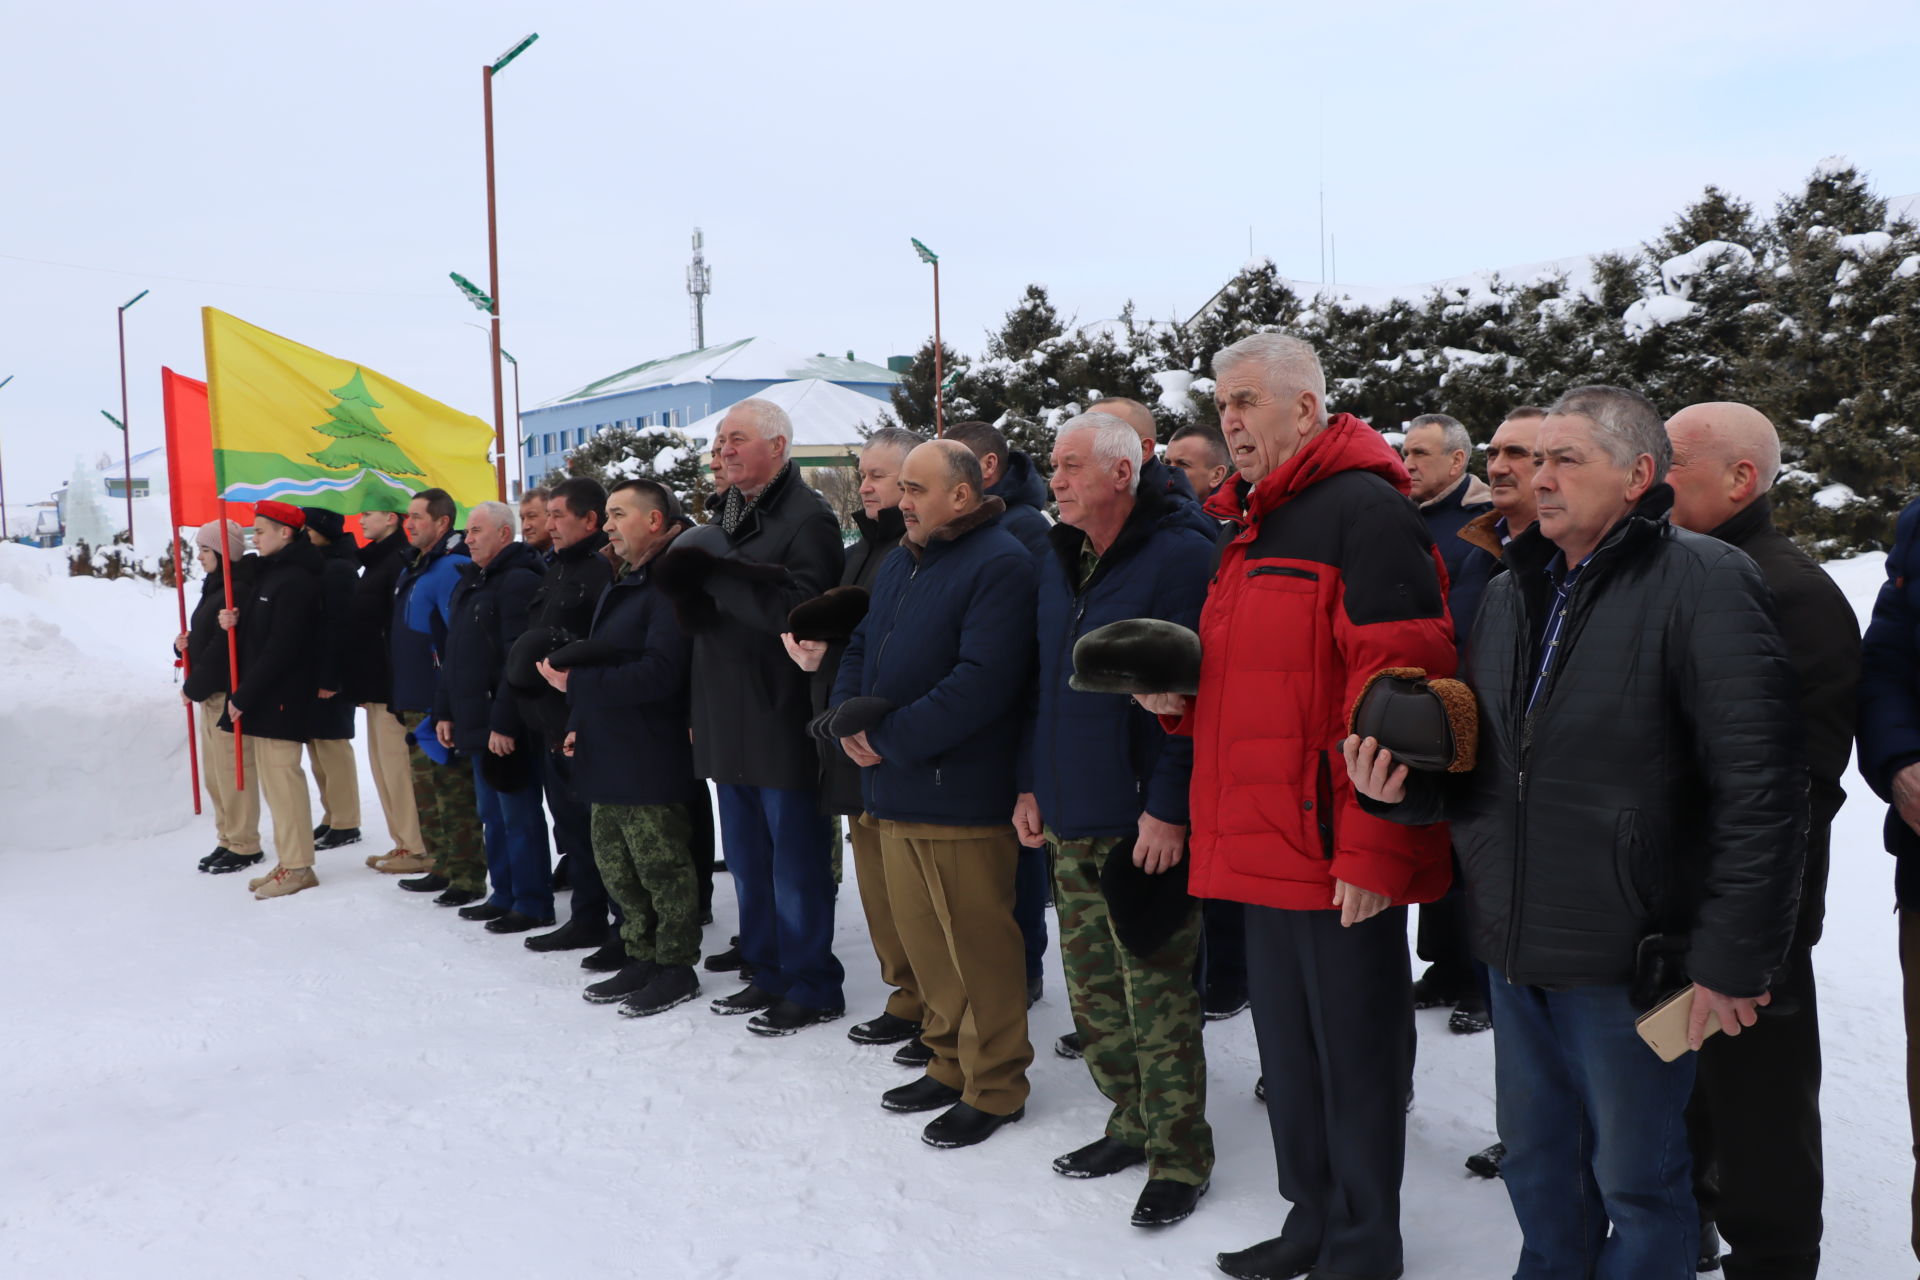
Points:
x=284, y=513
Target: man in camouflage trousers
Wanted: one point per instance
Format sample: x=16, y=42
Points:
x=627, y=715
x=1101, y=781
x=456, y=851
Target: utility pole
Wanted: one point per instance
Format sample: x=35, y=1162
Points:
x=126, y=436
x=493, y=263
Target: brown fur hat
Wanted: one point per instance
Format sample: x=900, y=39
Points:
x=1432, y=725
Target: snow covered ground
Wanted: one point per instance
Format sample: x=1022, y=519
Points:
x=354, y=1083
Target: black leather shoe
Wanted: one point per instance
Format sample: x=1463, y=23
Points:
x=457, y=898
x=1470, y=1016
x=914, y=1053
x=575, y=935
x=1068, y=1045
x=1218, y=1006
x=885, y=1029
x=320, y=832
x=610, y=958
x=727, y=961
x=924, y=1094
x=1486, y=1164
x=337, y=836
x=748, y=999
x=428, y=883
x=612, y=990
x=1275, y=1259
x=1164, y=1202
x=515, y=922
x=1098, y=1159
x=1036, y=987
x=786, y=1017
x=210, y=858
x=482, y=911
x=229, y=861
x=965, y=1126
x=670, y=985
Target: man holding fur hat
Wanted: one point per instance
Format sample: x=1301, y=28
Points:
x=279, y=677
x=926, y=701
x=1327, y=576
x=820, y=629
x=1104, y=787
x=1634, y=829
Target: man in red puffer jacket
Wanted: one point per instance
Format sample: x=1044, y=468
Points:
x=1327, y=576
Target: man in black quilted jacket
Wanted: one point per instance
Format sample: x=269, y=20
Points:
x=1635, y=825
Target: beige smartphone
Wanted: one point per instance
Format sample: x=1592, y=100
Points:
x=1664, y=1027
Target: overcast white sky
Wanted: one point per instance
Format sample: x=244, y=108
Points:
x=322, y=163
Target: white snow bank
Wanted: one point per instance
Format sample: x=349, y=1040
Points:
x=92, y=735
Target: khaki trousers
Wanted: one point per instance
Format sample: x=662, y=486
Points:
x=393, y=777
x=284, y=786
x=338, y=774
x=895, y=969
x=952, y=895
x=236, y=813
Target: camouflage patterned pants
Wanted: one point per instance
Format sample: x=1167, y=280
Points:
x=1138, y=1018
x=641, y=850
x=449, y=815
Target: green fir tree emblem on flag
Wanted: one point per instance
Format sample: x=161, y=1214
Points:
x=360, y=439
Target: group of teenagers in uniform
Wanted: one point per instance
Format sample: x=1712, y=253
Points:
x=1232, y=709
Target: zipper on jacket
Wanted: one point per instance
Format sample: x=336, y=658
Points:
x=1282, y=571
x=898, y=604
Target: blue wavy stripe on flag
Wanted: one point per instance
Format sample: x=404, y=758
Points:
x=308, y=487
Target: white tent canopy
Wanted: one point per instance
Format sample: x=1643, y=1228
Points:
x=825, y=415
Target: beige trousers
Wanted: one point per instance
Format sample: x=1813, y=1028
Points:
x=236, y=813
x=338, y=775
x=393, y=777
x=895, y=969
x=283, y=783
x=952, y=895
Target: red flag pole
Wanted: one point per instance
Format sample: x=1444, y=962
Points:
x=233, y=661
x=186, y=669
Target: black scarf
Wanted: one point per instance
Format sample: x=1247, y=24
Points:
x=737, y=504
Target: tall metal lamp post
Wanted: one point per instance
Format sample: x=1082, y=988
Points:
x=487, y=74
x=932, y=259
x=126, y=436
x=4, y=535
x=519, y=449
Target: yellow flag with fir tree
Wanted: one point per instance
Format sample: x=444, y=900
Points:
x=298, y=425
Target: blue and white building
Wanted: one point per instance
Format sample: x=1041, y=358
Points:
x=679, y=391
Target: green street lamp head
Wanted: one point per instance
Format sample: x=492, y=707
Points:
x=500, y=63
x=115, y=421
x=927, y=255
x=135, y=298
x=475, y=295
x=504, y=355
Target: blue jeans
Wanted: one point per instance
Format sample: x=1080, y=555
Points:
x=778, y=851
x=1030, y=892
x=516, y=836
x=1596, y=1134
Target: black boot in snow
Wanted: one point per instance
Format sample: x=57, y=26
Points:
x=670, y=985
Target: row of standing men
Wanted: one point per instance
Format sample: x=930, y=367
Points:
x=937, y=698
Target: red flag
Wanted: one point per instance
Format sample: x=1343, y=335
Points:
x=194, y=497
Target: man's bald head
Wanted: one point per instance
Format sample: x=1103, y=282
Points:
x=939, y=482
x=1135, y=415
x=1725, y=455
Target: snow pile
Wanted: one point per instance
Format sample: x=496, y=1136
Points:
x=1678, y=273
x=92, y=735
x=1648, y=314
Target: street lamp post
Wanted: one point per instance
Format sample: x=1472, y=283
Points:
x=487, y=74
x=4, y=535
x=519, y=448
x=126, y=436
x=932, y=259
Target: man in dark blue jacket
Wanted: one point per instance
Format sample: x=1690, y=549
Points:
x=442, y=788
x=1890, y=762
x=1100, y=779
x=633, y=762
x=942, y=660
x=1011, y=477
x=474, y=714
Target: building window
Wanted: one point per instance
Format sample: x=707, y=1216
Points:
x=579, y=435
